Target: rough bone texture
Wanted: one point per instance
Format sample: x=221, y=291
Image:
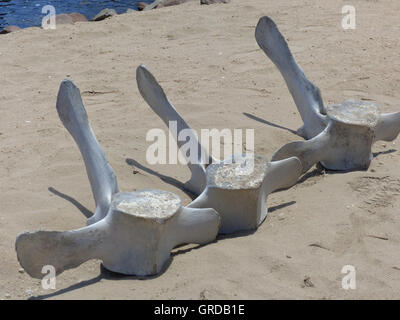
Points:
x=148, y=204
x=239, y=172
x=361, y=113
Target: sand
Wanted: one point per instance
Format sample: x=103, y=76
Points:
x=209, y=63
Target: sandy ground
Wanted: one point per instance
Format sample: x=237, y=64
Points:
x=208, y=61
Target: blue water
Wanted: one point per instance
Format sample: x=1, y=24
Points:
x=28, y=13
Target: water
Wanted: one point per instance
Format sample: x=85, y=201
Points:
x=28, y=13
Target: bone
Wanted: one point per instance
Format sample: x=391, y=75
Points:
x=282, y=174
x=135, y=238
x=241, y=199
x=340, y=136
x=155, y=97
x=237, y=188
x=309, y=152
x=346, y=142
x=388, y=127
x=306, y=96
x=62, y=250
x=132, y=233
x=102, y=179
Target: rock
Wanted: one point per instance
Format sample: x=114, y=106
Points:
x=68, y=18
x=61, y=19
x=104, y=14
x=307, y=282
x=213, y=1
x=168, y=3
x=9, y=29
x=129, y=10
x=21, y=270
x=153, y=5
x=64, y=19
x=78, y=17
x=141, y=6
x=164, y=3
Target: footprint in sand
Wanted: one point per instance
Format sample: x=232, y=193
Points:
x=376, y=192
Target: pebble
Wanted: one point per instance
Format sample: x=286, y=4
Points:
x=21, y=270
x=104, y=14
x=308, y=282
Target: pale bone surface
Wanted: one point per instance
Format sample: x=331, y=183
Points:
x=361, y=113
x=238, y=172
x=237, y=188
x=102, y=178
x=341, y=136
x=155, y=97
x=134, y=233
x=151, y=204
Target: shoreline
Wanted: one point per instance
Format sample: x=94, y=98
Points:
x=73, y=17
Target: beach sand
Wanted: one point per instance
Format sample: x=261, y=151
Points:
x=213, y=71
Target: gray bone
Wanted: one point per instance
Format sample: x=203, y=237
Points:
x=239, y=197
